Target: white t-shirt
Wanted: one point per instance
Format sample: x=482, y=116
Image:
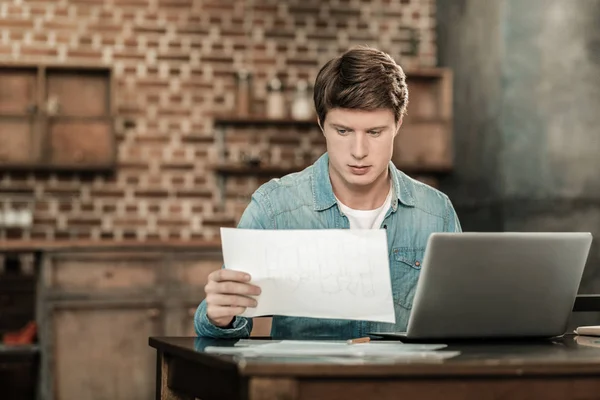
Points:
x=367, y=219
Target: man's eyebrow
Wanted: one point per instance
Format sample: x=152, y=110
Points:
x=350, y=129
x=340, y=126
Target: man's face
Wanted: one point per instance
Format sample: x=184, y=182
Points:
x=360, y=145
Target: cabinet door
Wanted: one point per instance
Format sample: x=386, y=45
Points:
x=78, y=93
x=80, y=143
x=102, y=353
x=18, y=91
x=80, y=124
x=19, y=141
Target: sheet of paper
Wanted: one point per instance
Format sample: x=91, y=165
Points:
x=320, y=273
x=335, y=349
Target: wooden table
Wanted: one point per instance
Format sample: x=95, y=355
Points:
x=558, y=369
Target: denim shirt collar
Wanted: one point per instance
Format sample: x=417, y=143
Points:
x=323, y=197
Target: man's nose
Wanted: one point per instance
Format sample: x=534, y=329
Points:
x=360, y=147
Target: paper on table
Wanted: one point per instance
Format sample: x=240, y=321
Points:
x=320, y=273
x=341, y=349
x=590, y=330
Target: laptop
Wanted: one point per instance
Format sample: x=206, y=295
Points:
x=496, y=285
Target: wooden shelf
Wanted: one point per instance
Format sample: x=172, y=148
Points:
x=26, y=246
x=261, y=170
x=234, y=120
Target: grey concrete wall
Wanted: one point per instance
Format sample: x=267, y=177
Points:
x=527, y=116
x=470, y=42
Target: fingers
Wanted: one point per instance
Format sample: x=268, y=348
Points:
x=222, y=275
x=231, y=300
x=229, y=287
x=227, y=295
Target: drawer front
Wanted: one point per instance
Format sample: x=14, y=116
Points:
x=101, y=274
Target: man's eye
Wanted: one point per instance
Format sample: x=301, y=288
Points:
x=374, y=133
x=342, y=131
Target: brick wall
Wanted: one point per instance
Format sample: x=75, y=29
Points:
x=174, y=62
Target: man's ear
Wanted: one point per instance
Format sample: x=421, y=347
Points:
x=320, y=126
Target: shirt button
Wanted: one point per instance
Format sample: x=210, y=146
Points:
x=417, y=263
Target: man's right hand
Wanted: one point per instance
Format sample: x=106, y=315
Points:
x=227, y=295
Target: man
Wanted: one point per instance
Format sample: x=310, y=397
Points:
x=360, y=98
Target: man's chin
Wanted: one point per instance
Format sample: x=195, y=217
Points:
x=359, y=180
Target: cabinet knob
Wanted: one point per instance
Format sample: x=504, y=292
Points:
x=52, y=106
x=153, y=312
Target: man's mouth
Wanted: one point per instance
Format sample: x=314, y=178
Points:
x=359, y=169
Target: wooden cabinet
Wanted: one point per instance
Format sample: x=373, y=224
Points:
x=98, y=309
x=19, y=90
x=56, y=118
x=101, y=351
x=19, y=122
x=20, y=141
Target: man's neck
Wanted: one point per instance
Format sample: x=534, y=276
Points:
x=361, y=198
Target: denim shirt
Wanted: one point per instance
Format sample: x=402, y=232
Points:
x=305, y=200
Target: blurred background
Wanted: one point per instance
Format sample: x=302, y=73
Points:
x=132, y=130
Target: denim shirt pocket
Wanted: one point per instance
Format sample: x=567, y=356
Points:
x=406, y=268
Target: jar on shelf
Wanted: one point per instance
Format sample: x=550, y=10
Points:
x=302, y=108
x=243, y=92
x=275, y=99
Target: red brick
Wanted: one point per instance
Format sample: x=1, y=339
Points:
x=85, y=53
x=218, y=222
x=280, y=34
x=128, y=55
x=18, y=23
x=132, y=3
x=108, y=193
x=151, y=193
x=38, y=51
x=344, y=13
x=233, y=32
x=192, y=194
x=87, y=207
x=69, y=192
x=174, y=112
x=173, y=222
x=178, y=181
x=130, y=235
x=84, y=221
x=65, y=206
x=129, y=222
x=42, y=206
x=107, y=235
x=175, y=3
x=177, y=166
x=109, y=208
x=45, y=220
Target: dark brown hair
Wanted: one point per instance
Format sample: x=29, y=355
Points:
x=362, y=78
